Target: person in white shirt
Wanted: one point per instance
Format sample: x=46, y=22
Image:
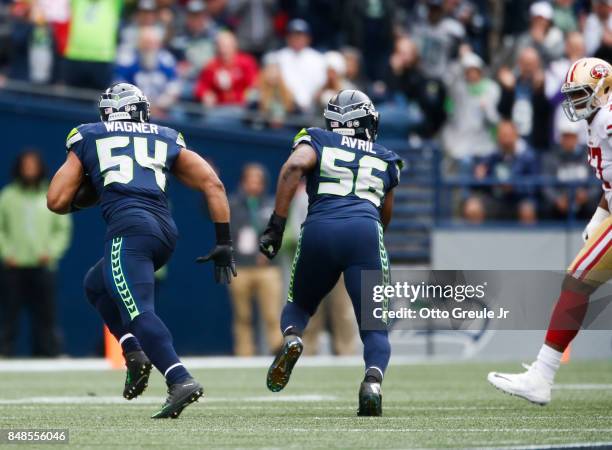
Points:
x=303, y=69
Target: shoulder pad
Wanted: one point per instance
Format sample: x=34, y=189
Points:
x=302, y=136
x=180, y=140
x=73, y=137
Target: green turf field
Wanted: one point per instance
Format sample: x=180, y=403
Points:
x=425, y=406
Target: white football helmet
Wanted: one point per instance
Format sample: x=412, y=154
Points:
x=586, y=88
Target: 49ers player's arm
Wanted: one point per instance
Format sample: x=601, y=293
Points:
x=64, y=185
x=194, y=172
x=601, y=213
x=302, y=160
x=387, y=210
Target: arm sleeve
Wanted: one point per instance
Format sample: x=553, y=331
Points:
x=61, y=236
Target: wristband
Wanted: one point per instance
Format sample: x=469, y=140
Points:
x=277, y=222
x=222, y=232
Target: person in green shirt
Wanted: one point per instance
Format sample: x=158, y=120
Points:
x=32, y=241
x=92, y=43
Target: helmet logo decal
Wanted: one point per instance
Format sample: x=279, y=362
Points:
x=599, y=71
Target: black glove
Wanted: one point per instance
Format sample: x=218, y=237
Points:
x=225, y=266
x=222, y=255
x=272, y=238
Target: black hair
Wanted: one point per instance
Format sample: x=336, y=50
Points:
x=17, y=164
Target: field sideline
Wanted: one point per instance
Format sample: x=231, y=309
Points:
x=426, y=406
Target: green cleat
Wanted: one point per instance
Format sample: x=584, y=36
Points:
x=137, y=376
x=180, y=396
x=370, y=399
x=280, y=370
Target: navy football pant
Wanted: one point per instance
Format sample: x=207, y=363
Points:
x=121, y=286
x=326, y=250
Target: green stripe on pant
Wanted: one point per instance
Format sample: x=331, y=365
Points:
x=120, y=280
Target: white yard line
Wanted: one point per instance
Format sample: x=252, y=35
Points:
x=208, y=362
x=583, y=387
x=105, y=400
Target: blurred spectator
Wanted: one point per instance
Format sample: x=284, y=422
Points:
x=564, y=17
x=220, y=12
x=368, y=25
x=194, y=45
x=473, y=210
x=542, y=35
x=255, y=27
x=302, y=68
x=557, y=70
x=523, y=99
x=272, y=98
x=257, y=278
x=555, y=77
x=151, y=68
x=32, y=241
x=146, y=15
x=513, y=159
x=566, y=164
x=336, y=77
x=354, y=74
x=438, y=38
x=473, y=113
x=92, y=43
x=476, y=24
x=227, y=77
x=56, y=13
x=597, y=24
x=19, y=37
x=412, y=98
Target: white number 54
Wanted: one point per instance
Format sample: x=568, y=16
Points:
x=120, y=168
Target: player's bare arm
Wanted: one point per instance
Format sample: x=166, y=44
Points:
x=387, y=210
x=302, y=160
x=65, y=184
x=194, y=172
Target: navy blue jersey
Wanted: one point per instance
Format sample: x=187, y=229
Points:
x=128, y=163
x=351, y=178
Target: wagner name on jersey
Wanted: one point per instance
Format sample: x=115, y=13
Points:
x=128, y=163
x=351, y=178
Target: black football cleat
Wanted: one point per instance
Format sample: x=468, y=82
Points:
x=280, y=370
x=137, y=376
x=180, y=396
x=370, y=399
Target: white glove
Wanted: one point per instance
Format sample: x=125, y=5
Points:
x=599, y=216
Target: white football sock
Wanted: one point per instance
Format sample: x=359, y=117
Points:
x=548, y=362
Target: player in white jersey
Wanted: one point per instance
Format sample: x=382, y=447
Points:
x=587, y=91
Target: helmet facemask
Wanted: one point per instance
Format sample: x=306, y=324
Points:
x=581, y=101
x=130, y=105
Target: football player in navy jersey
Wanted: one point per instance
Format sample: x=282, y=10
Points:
x=350, y=181
x=127, y=160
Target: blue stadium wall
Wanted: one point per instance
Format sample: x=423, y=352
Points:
x=196, y=310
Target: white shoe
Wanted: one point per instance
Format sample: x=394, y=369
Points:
x=529, y=385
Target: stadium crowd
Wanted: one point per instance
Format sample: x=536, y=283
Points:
x=480, y=76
